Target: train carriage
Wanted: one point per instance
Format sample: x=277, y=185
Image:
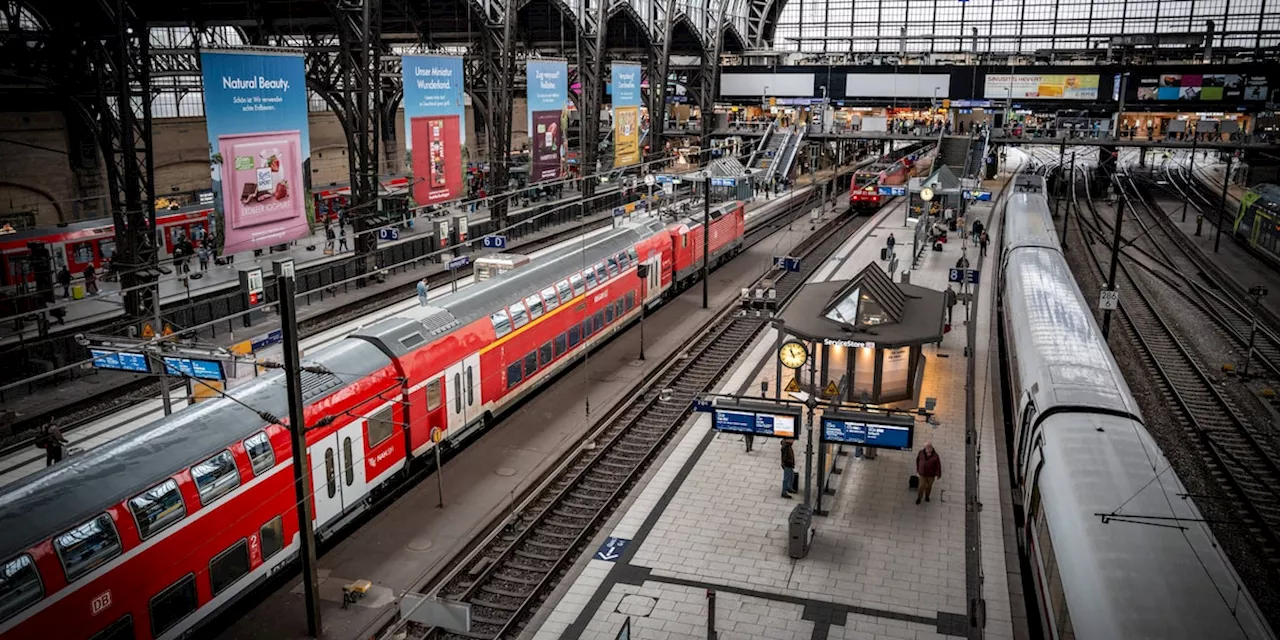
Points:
x=151, y=534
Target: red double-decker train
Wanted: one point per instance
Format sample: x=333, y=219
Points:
x=894, y=169
x=149, y=535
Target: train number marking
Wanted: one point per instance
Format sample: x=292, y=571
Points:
x=101, y=603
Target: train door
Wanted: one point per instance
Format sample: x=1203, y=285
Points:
x=352, y=447
x=653, y=284
x=435, y=412
x=326, y=487
x=463, y=382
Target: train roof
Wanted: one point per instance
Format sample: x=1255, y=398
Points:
x=479, y=300
x=81, y=486
x=1028, y=222
x=1134, y=576
x=1061, y=357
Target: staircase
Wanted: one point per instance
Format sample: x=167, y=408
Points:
x=954, y=151
x=760, y=146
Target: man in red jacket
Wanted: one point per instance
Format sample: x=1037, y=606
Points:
x=929, y=468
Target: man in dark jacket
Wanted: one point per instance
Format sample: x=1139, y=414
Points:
x=50, y=439
x=789, y=480
x=929, y=468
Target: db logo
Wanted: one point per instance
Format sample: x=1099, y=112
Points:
x=101, y=603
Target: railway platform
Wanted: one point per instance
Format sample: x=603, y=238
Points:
x=413, y=538
x=710, y=518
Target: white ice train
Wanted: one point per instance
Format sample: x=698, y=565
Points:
x=1081, y=453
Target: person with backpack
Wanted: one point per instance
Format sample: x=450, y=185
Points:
x=50, y=439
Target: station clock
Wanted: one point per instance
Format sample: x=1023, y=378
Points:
x=793, y=354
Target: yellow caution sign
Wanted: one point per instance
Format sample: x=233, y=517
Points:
x=437, y=435
x=793, y=386
x=147, y=331
x=206, y=390
x=168, y=329
x=831, y=391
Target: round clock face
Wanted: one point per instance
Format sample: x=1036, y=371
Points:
x=793, y=355
x=926, y=194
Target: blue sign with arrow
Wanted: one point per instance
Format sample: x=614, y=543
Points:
x=612, y=549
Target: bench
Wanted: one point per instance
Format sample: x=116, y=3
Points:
x=354, y=591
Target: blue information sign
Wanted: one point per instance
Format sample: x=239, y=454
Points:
x=494, y=242
x=459, y=262
x=267, y=339
x=955, y=275
x=723, y=182
x=192, y=368
x=971, y=276
x=755, y=423
x=790, y=263
x=120, y=361
x=612, y=549
x=886, y=190
x=983, y=196
x=881, y=432
x=389, y=233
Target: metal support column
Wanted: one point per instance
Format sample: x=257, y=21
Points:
x=1115, y=262
x=1222, y=209
x=710, y=79
x=591, y=36
x=658, y=85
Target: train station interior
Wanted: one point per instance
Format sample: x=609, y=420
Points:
x=639, y=319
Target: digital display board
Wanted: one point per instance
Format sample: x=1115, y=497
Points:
x=886, y=190
x=755, y=423
x=869, y=430
x=120, y=361
x=203, y=369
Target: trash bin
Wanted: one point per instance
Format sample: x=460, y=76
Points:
x=798, y=525
x=77, y=292
x=906, y=277
x=884, y=253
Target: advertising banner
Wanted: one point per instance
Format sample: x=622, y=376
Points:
x=260, y=151
x=1051, y=87
x=548, y=118
x=434, y=118
x=626, y=114
x=1206, y=87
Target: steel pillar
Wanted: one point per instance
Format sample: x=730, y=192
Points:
x=658, y=85
x=591, y=34
x=709, y=80
x=120, y=110
x=493, y=87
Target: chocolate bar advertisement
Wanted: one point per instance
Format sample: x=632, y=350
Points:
x=260, y=152
x=548, y=117
x=435, y=119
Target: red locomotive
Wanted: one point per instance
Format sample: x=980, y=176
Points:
x=894, y=169
x=149, y=535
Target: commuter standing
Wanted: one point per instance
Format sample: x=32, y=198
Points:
x=422, y=292
x=342, y=238
x=90, y=280
x=203, y=255
x=789, y=480
x=986, y=238
x=929, y=468
x=64, y=279
x=891, y=242
x=949, y=299
x=50, y=439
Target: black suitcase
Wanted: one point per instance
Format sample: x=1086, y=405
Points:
x=913, y=482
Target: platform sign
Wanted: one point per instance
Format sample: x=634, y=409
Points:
x=976, y=195
x=972, y=276
x=459, y=262
x=955, y=275
x=756, y=419
x=869, y=430
x=194, y=368
x=1110, y=300
x=703, y=406
x=130, y=361
x=258, y=343
x=724, y=182
x=888, y=190
x=790, y=263
x=494, y=242
x=389, y=233
x=611, y=549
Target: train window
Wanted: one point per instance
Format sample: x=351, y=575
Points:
x=631, y=300
x=519, y=315
x=575, y=335
x=121, y=629
x=471, y=387
x=20, y=586
x=157, y=508
x=379, y=427
x=271, y=536
x=348, y=464
x=623, y=260
x=549, y=297
x=107, y=248
x=258, y=446
x=579, y=287
x=535, y=305
x=566, y=292
x=514, y=375
x=613, y=266
x=590, y=274
x=531, y=363
x=82, y=253
x=457, y=393
x=433, y=395
x=684, y=241
x=501, y=324
x=544, y=355
x=170, y=606
x=559, y=344
x=330, y=473
x=588, y=328
x=599, y=320
x=618, y=309
x=216, y=477
x=229, y=566
x=608, y=314
x=601, y=274
x=632, y=253
x=87, y=546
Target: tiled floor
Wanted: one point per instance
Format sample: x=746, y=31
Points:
x=880, y=566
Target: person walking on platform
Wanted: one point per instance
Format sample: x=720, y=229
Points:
x=982, y=243
x=90, y=281
x=789, y=480
x=949, y=299
x=750, y=440
x=890, y=242
x=929, y=468
x=342, y=238
x=50, y=439
x=422, y=292
x=64, y=279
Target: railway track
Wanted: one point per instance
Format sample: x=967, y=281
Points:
x=509, y=575
x=1238, y=459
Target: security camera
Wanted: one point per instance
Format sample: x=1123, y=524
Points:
x=81, y=340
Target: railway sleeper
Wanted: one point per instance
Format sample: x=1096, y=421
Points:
x=564, y=524
x=573, y=504
x=520, y=566
x=524, y=553
x=498, y=606
x=493, y=621
x=557, y=534
x=505, y=593
x=554, y=546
